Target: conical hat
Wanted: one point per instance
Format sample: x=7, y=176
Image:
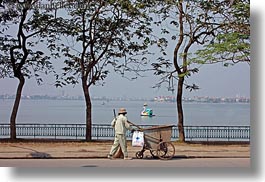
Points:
x=122, y=111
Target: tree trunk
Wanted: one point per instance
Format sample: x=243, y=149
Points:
x=180, y=110
x=13, y=134
x=88, y=110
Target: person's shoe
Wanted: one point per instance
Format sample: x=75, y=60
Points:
x=110, y=156
x=127, y=158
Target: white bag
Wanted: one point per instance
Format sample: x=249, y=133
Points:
x=138, y=139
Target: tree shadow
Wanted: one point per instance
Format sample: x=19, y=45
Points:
x=35, y=153
x=40, y=155
x=90, y=166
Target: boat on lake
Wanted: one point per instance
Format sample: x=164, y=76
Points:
x=147, y=111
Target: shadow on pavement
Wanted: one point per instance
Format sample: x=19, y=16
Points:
x=35, y=153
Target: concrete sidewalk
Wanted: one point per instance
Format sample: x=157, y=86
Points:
x=100, y=149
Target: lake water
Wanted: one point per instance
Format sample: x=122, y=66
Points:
x=73, y=112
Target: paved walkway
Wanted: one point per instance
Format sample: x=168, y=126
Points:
x=100, y=149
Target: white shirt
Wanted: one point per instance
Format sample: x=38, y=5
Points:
x=120, y=124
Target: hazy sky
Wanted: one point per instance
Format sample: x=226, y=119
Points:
x=213, y=80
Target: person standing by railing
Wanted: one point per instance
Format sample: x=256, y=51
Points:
x=121, y=125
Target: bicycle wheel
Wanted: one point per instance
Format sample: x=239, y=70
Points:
x=165, y=150
x=139, y=154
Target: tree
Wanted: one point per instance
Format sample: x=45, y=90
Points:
x=22, y=29
x=198, y=23
x=232, y=44
x=100, y=34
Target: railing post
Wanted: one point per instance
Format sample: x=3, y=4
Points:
x=55, y=131
x=34, y=131
x=228, y=133
x=76, y=131
x=96, y=132
x=207, y=133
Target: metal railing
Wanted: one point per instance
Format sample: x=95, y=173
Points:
x=105, y=131
x=228, y=133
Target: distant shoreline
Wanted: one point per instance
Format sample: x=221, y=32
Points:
x=207, y=101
